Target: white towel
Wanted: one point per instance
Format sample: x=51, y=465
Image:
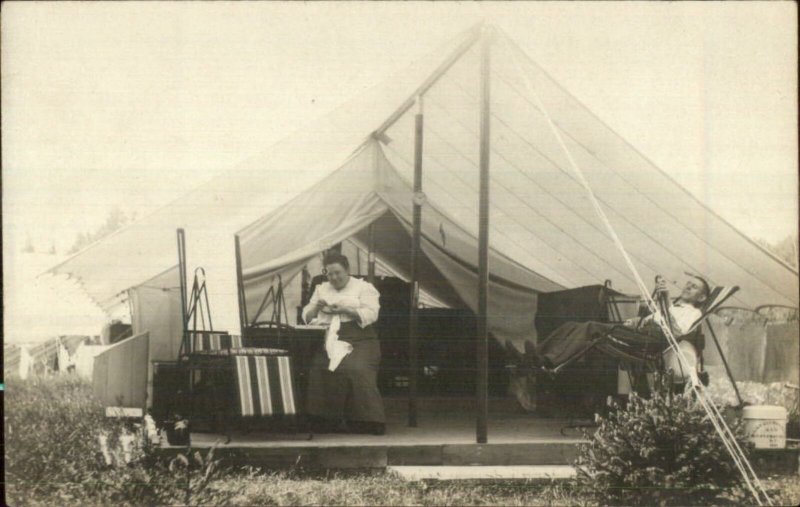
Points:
x=336, y=350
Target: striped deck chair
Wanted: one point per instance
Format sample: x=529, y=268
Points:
x=265, y=385
x=201, y=341
x=267, y=398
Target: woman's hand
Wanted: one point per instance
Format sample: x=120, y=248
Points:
x=314, y=310
x=344, y=310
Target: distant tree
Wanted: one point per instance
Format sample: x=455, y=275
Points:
x=785, y=249
x=52, y=249
x=116, y=219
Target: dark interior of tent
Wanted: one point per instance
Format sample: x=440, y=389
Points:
x=446, y=351
x=448, y=360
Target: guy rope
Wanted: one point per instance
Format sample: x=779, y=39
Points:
x=660, y=314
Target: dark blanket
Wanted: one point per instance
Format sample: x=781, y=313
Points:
x=569, y=340
x=574, y=305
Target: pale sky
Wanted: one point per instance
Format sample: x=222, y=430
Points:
x=131, y=104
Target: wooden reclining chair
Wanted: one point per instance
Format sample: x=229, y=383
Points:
x=636, y=349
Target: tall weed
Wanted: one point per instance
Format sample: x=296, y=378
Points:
x=62, y=450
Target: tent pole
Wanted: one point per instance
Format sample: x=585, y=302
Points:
x=371, y=254
x=481, y=429
x=240, y=285
x=725, y=362
x=182, y=272
x=182, y=279
x=472, y=36
x=413, y=319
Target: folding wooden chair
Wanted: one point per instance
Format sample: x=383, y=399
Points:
x=634, y=346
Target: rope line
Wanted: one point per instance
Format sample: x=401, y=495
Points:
x=592, y=276
x=561, y=281
x=721, y=427
x=572, y=178
x=529, y=178
x=510, y=42
x=666, y=211
x=519, y=198
x=641, y=257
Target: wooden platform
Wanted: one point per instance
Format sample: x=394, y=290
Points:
x=445, y=436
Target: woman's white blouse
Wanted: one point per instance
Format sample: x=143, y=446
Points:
x=361, y=295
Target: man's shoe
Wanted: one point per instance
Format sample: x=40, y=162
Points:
x=532, y=359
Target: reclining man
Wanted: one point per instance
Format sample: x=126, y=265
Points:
x=573, y=338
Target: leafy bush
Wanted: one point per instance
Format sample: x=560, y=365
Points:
x=50, y=434
x=62, y=450
x=182, y=481
x=658, y=451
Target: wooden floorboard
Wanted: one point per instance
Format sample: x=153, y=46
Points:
x=445, y=435
x=546, y=453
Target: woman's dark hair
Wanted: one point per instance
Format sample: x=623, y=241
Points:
x=335, y=258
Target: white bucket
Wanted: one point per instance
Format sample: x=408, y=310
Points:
x=765, y=426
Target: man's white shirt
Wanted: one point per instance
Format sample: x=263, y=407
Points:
x=683, y=315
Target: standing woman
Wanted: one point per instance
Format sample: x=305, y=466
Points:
x=343, y=378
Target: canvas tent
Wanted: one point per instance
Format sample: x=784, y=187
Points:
x=354, y=167
x=368, y=190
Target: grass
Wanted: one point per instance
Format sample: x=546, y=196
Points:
x=53, y=458
x=380, y=488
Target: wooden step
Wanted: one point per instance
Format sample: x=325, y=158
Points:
x=455, y=473
x=380, y=456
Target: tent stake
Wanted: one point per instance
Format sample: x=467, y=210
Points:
x=481, y=429
x=413, y=319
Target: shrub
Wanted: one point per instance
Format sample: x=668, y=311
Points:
x=658, y=451
x=54, y=455
x=50, y=435
x=184, y=480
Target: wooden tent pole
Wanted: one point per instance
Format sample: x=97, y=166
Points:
x=184, y=349
x=413, y=319
x=182, y=273
x=240, y=285
x=472, y=36
x=482, y=404
x=371, y=254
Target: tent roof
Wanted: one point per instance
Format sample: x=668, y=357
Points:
x=541, y=219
